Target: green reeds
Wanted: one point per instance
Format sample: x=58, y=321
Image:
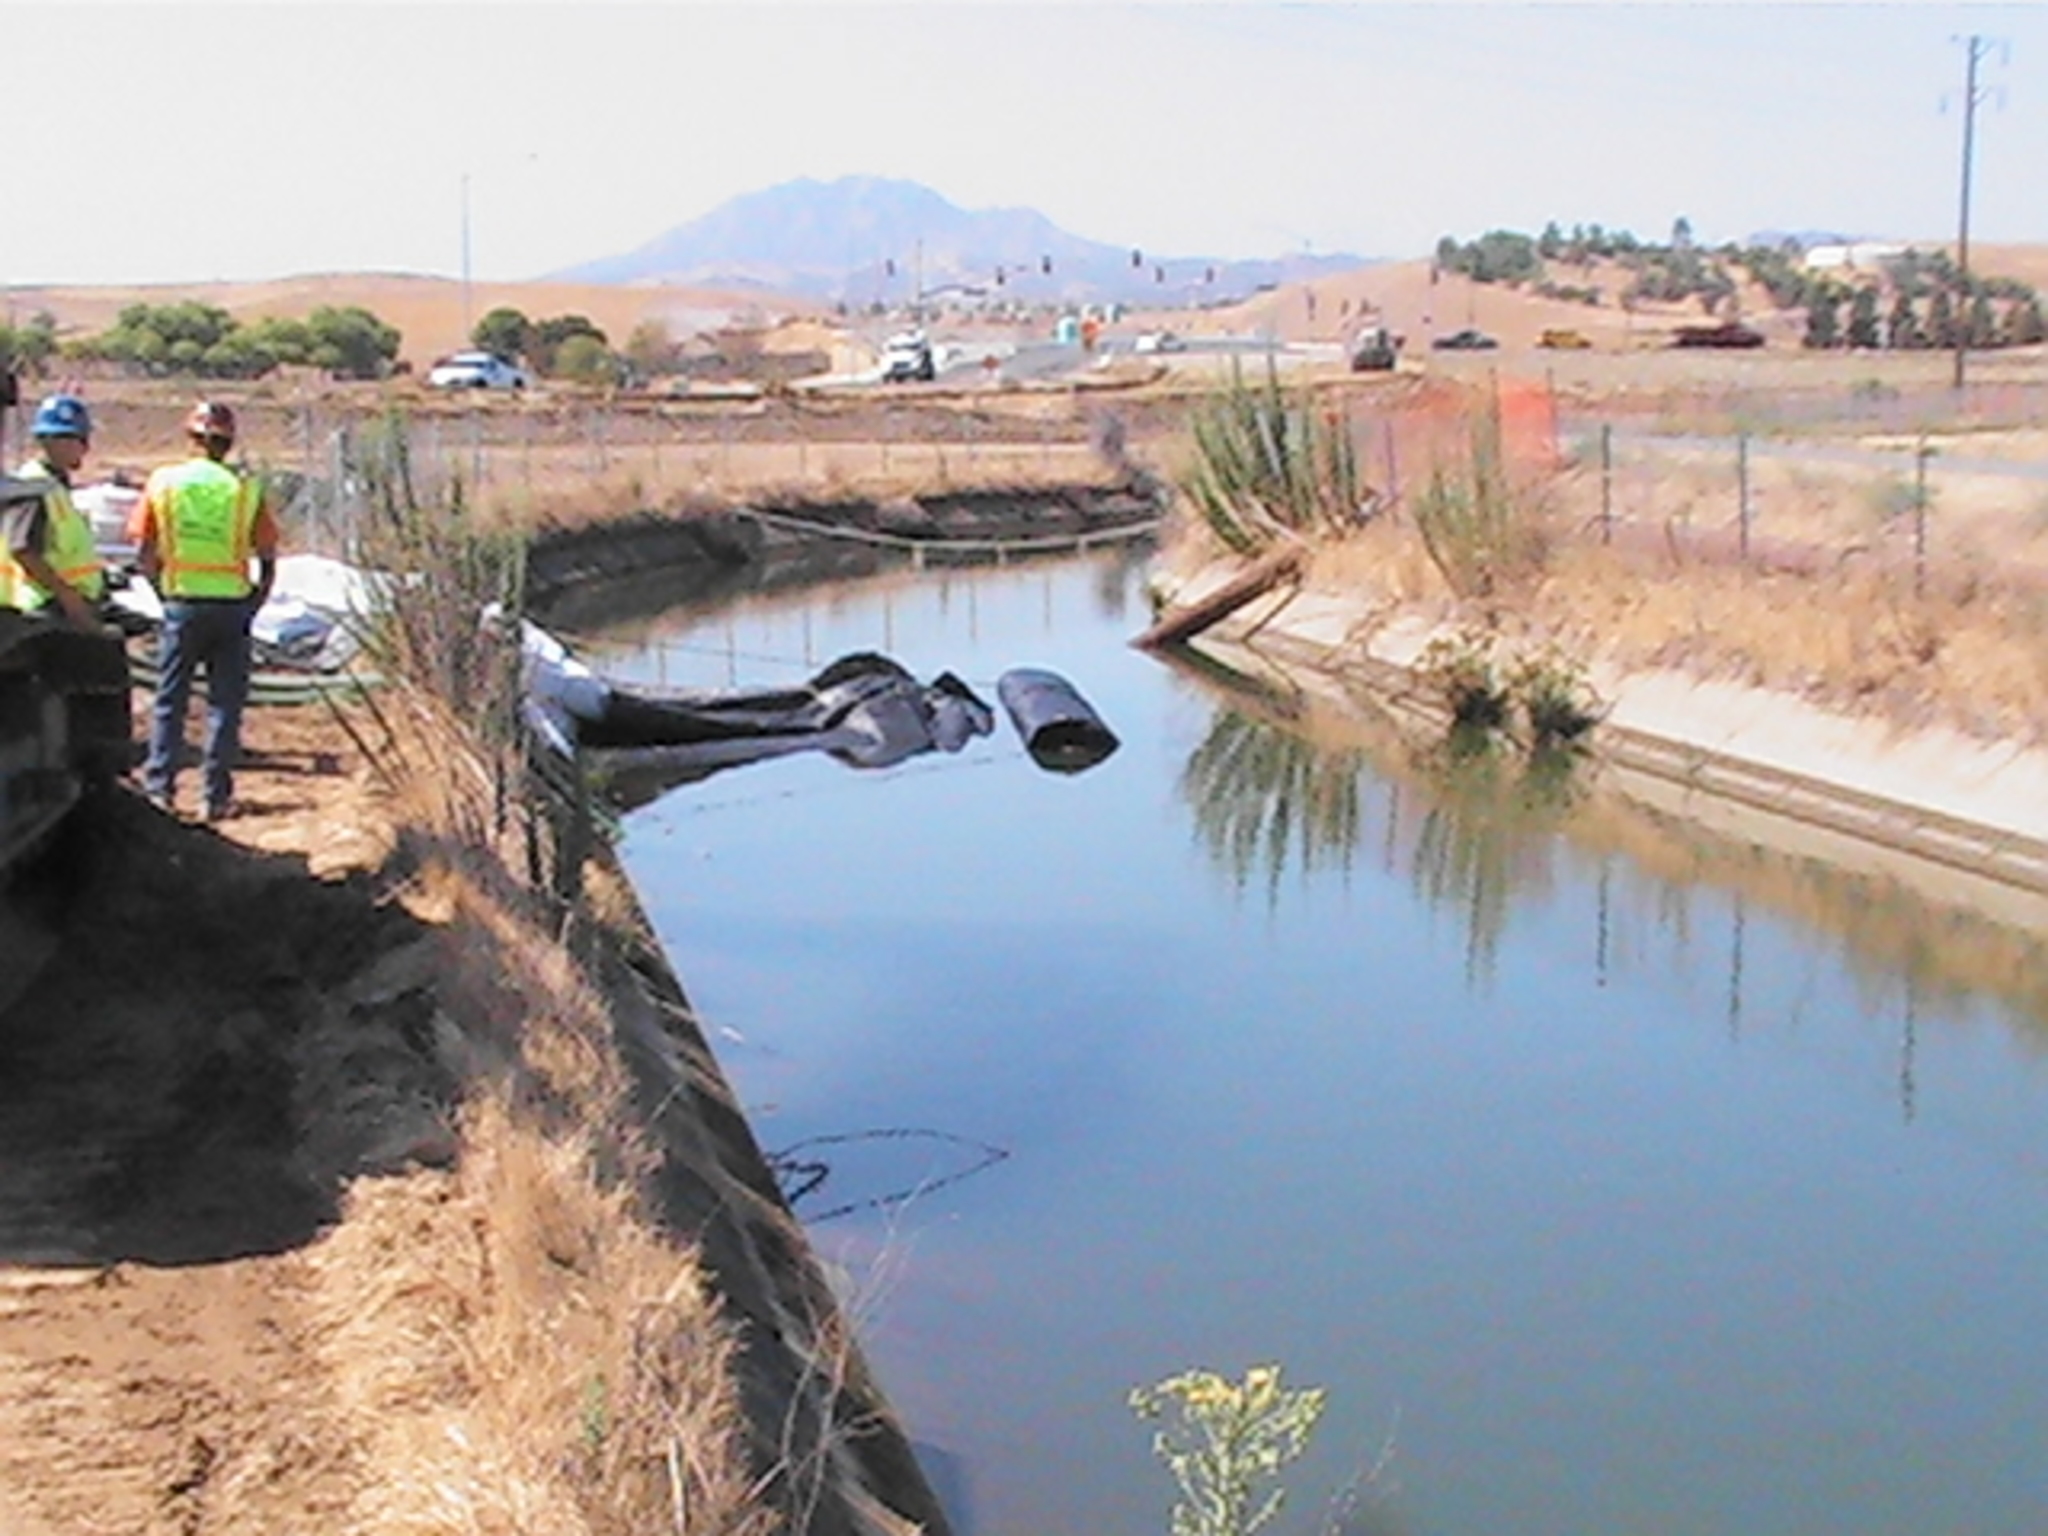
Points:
x=1479, y=529
x=439, y=634
x=426, y=628
x=1269, y=466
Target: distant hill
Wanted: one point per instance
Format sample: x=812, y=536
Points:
x=861, y=239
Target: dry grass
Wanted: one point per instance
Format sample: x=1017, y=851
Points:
x=519, y=1344
x=1965, y=653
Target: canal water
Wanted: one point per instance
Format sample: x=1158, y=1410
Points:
x=1611, y=1180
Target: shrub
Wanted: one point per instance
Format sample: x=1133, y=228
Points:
x=1462, y=671
x=1556, y=698
x=1227, y=1440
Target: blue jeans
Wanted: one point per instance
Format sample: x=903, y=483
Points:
x=212, y=633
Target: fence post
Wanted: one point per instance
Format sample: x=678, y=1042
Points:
x=1742, y=492
x=1606, y=482
x=1393, y=463
x=1921, y=455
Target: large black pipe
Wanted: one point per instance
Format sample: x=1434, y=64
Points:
x=1057, y=726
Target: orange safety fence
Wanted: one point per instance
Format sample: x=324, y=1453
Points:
x=1400, y=439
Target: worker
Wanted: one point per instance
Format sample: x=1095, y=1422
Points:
x=47, y=554
x=196, y=529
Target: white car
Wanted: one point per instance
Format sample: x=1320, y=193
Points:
x=907, y=359
x=476, y=370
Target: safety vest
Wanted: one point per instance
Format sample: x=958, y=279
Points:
x=69, y=549
x=205, y=529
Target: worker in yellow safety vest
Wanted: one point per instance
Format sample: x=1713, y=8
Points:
x=196, y=530
x=47, y=554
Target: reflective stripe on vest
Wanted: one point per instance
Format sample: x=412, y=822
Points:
x=205, y=526
x=69, y=548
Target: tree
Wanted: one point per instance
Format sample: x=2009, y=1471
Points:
x=1941, y=319
x=584, y=359
x=504, y=331
x=1550, y=244
x=651, y=351
x=1864, y=331
x=1823, y=320
x=1982, y=323
x=2024, y=324
x=548, y=336
x=351, y=343
x=1902, y=329
x=28, y=346
x=1681, y=233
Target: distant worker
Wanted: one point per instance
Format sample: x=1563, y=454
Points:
x=196, y=529
x=47, y=553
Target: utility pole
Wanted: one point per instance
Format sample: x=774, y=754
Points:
x=1974, y=48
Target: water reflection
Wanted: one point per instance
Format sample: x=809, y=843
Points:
x=1486, y=834
x=1264, y=799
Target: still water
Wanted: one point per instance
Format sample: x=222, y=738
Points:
x=1609, y=1182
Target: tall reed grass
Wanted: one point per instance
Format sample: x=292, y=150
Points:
x=1269, y=467
x=1481, y=530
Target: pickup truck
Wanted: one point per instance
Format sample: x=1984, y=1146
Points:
x=907, y=359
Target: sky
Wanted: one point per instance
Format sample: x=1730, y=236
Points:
x=182, y=142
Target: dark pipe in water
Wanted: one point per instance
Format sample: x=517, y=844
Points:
x=1057, y=726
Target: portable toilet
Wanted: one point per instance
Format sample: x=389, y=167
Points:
x=1068, y=332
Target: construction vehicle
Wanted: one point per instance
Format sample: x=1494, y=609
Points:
x=1563, y=339
x=1729, y=333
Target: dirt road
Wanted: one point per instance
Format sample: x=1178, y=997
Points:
x=154, y=1106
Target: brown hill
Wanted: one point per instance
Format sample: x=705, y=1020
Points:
x=1402, y=295
x=428, y=311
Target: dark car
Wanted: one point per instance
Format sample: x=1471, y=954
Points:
x=1467, y=340
x=1730, y=333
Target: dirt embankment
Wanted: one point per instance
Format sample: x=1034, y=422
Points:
x=344, y=1187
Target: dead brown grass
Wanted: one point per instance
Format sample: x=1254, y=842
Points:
x=1969, y=651
x=519, y=1344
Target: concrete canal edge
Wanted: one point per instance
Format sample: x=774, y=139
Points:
x=812, y=1406
x=805, y=1374
x=1958, y=819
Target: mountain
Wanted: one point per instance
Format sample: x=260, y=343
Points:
x=860, y=239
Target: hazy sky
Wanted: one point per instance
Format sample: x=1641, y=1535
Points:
x=178, y=141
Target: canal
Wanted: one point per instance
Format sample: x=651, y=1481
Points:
x=1610, y=1178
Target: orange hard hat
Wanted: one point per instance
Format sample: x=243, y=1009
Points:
x=210, y=418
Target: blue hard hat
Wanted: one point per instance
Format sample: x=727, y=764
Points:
x=62, y=416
